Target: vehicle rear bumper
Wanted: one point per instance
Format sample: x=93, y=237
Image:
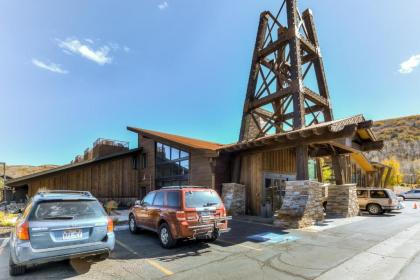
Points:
x=203, y=230
x=395, y=207
x=22, y=253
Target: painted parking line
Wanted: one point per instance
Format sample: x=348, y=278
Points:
x=242, y=245
x=3, y=244
x=150, y=262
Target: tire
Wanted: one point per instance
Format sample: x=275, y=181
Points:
x=374, y=209
x=15, y=269
x=165, y=236
x=211, y=239
x=132, y=225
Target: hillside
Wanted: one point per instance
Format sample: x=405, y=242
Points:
x=402, y=140
x=16, y=171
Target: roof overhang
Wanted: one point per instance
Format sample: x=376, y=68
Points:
x=24, y=179
x=351, y=135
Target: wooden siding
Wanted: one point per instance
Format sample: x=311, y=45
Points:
x=147, y=175
x=253, y=166
x=200, y=170
x=107, y=179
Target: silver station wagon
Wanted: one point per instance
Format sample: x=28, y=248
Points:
x=60, y=225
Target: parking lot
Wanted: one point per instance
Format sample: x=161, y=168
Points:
x=386, y=245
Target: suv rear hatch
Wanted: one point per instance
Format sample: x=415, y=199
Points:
x=60, y=223
x=203, y=207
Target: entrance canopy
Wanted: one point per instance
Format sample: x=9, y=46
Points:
x=350, y=135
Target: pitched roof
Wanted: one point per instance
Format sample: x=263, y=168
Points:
x=13, y=181
x=186, y=141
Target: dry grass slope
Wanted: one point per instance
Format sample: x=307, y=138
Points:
x=402, y=140
x=16, y=171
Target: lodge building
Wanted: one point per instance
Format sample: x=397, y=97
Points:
x=287, y=133
x=114, y=172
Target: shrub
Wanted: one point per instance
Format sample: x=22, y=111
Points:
x=110, y=206
x=7, y=220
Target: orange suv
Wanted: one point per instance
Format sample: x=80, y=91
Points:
x=180, y=213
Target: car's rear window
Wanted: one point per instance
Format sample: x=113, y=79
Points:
x=195, y=199
x=68, y=210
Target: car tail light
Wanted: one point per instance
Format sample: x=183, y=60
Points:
x=110, y=225
x=22, y=231
x=223, y=212
x=180, y=215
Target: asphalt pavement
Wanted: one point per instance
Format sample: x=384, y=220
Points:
x=365, y=247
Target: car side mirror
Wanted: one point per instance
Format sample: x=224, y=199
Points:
x=137, y=203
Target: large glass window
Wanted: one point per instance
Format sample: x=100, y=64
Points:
x=172, y=166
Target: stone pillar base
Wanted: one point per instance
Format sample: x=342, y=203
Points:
x=342, y=201
x=233, y=196
x=302, y=205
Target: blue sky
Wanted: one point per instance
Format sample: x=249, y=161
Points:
x=73, y=71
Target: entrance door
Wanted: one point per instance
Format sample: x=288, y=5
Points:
x=274, y=192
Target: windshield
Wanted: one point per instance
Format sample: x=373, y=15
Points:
x=195, y=199
x=68, y=210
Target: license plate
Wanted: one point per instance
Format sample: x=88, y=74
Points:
x=73, y=234
x=205, y=214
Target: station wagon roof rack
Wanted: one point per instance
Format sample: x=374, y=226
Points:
x=184, y=187
x=86, y=193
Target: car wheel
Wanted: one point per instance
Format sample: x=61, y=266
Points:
x=15, y=269
x=374, y=209
x=132, y=225
x=165, y=236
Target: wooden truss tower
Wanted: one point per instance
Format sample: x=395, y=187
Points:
x=287, y=89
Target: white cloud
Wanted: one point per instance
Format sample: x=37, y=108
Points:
x=100, y=56
x=163, y=5
x=126, y=49
x=408, y=66
x=49, y=66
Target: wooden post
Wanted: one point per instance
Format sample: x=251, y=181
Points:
x=388, y=176
x=319, y=170
x=337, y=164
x=302, y=162
x=236, y=172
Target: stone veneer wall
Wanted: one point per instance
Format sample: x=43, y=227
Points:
x=302, y=205
x=233, y=196
x=342, y=201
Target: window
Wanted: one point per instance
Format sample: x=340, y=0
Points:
x=148, y=200
x=197, y=199
x=143, y=161
x=68, y=210
x=417, y=191
x=173, y=199
x=172, y=166
x=135, y=162
x=158, y=199
x=362, y=194
x=378, y=194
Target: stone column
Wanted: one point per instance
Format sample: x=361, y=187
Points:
x=302, y=205
x=233, y=196
x=342, y=201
